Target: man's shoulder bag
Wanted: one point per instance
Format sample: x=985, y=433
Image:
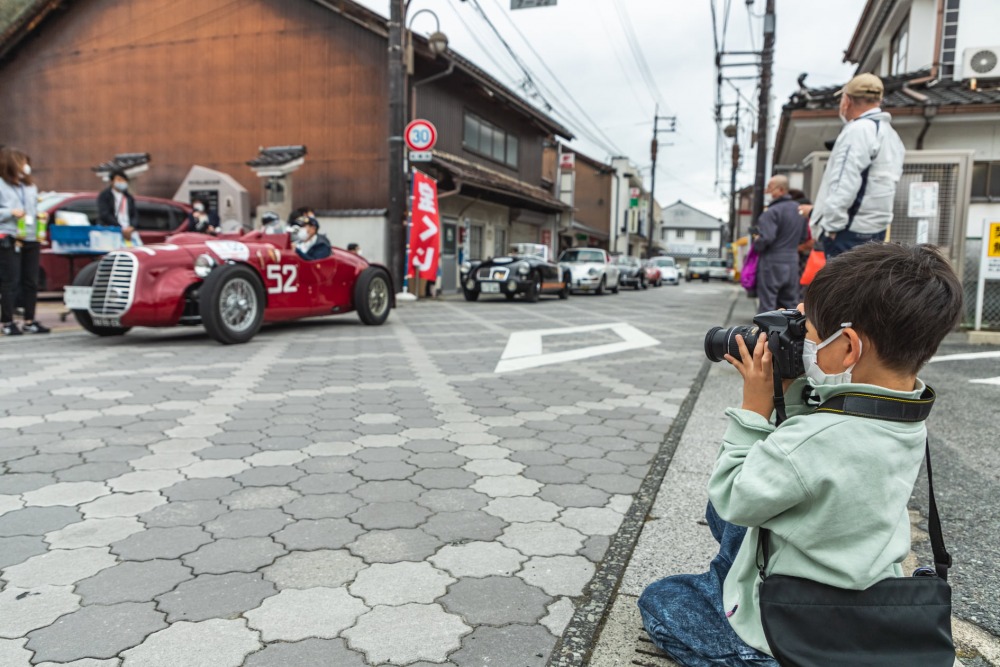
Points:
x=900, y=621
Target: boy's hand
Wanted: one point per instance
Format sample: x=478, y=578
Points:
x=758, y=376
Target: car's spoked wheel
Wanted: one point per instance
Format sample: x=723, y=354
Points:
x=238, y=305
x=231, y=303
x=373, y=296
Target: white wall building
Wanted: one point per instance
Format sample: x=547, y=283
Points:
x=686, y=232
x=940, y=62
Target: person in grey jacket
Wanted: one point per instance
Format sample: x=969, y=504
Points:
x=19, y=246
x=855, y=199
x=780, y=230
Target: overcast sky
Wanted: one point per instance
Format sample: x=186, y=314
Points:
x=585, y=44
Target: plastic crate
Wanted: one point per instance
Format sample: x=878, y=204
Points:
x=76, y=239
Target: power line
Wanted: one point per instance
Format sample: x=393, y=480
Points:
x=633, y=43
x=489, y=54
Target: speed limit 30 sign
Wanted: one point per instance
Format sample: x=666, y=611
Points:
x=421, y=135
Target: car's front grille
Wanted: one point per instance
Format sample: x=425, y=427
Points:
x=493, y=273
x=114, y=284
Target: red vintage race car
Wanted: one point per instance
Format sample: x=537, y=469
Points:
x=231, y=285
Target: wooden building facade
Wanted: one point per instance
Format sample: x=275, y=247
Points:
x=208, y=82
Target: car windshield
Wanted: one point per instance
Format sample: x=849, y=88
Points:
x=528, y=250
x=663, y=262
x=717, y=262
x=625, y=260
x=699, y=262
x=582, y=256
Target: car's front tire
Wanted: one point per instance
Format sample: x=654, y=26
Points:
x=564, y=292
x=231, y=302
x=600, y=286
x=534, y=289
x=470, y=294
x=86, y=279
x=373, y=296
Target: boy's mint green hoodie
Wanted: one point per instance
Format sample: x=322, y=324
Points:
x=832, y=489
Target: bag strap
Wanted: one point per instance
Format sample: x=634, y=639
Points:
x=888, y=409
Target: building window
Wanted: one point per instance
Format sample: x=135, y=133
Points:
x=499, y=242
x=703, y=235
x=476, y=242
x=679, y=233
x=490, y=141
x=985, y=181
x=898, y=48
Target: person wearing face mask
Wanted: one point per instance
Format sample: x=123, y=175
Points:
x=309, y=243
x=20, y=232
x=116, y=206
x=201, y=219
x=780, y=230
x=831, y=486
x=855, y=199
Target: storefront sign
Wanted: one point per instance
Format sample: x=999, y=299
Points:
x=923, y=200
x=989, y=265
x=425, y=230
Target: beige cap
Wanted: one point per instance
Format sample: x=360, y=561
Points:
x=863, y=85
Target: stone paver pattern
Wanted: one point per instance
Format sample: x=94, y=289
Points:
x=329, y=493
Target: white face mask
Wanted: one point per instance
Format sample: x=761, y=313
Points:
x=816, y=375
x=26, y=169
x=301, y=234
x=199, y=208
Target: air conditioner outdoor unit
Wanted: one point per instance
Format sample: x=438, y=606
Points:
x=981, y=62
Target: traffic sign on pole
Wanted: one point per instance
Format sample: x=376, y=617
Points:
x=421, y=135
x=421, y=156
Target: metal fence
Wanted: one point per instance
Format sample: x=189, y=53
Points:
x=991, y=296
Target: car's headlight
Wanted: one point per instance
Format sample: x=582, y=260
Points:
x=466, y=267
x=593, y=271
x=523, y=268
x=203, y=265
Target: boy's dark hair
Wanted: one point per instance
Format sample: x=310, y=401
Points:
x=905, y=299
x=116, y=173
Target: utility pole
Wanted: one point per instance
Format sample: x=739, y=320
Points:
x=395, y=223
x=654, y=146
x=766, y=60
x=732, y=173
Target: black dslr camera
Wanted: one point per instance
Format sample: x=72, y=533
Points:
x=785, y=329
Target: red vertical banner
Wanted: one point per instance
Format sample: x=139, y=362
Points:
x=425, y=227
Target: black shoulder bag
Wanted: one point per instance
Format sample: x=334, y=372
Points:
x=900, y=621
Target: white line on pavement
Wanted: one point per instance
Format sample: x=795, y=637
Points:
x=968, y=356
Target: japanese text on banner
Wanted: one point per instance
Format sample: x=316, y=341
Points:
x=425, y=235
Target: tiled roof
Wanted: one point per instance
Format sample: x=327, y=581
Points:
x=275, y=156
x=481, y=177
x=901, y=92
x=123, y=161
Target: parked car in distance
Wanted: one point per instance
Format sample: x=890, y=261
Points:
x=230, y=285
x=654, y=276
x=668, y=270
x=631, y=273
x=591, y=269
x=697, y=269
x=526, y=270
x=717, y=270
x=158, y=218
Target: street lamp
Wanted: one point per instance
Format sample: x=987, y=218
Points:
x=400, y=61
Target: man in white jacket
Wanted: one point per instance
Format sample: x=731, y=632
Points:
x=854, y=204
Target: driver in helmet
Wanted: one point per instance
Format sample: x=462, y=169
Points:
x=271, y=223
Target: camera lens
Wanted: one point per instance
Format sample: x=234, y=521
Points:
x=719, y=342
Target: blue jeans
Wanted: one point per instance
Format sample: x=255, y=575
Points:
x=684, y=614
x=846, y=240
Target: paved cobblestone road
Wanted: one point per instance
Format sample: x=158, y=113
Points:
x=329, y=494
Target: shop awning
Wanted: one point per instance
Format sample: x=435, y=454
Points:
x=580, y=228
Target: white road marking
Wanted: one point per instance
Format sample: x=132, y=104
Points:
x=524, y=348
x=968, y=356
x=995, y=381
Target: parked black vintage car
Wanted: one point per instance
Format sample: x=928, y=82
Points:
x=632, y=274
x=526, y=270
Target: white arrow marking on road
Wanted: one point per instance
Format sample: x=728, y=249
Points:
x=968, y=356
x=524, y=348
x=431, y=230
